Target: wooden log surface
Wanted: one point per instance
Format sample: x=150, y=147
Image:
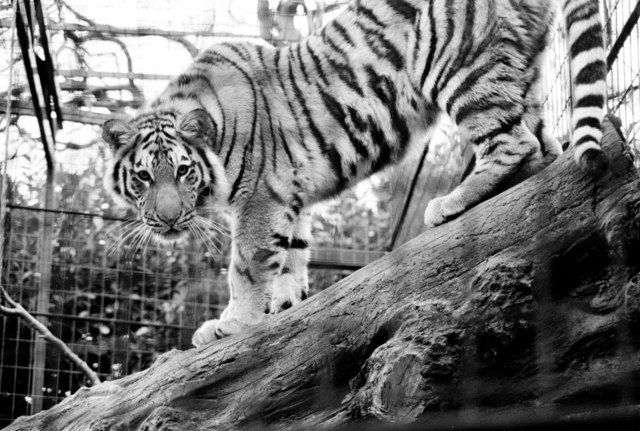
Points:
x=529, y=299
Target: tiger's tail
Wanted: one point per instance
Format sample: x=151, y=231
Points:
x=584, y=30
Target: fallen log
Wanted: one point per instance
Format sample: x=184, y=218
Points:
x=529, y=299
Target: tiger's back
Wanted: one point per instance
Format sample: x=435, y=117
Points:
x=350, y=100
x=273, y=130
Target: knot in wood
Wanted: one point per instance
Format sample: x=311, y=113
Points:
x=502, y=291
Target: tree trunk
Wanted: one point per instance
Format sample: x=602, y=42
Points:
x=529, y=299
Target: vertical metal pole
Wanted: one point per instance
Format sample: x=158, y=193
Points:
x=27, y=23
x=44, y=291
x=3, y=183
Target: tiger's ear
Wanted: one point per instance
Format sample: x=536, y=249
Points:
x=197, y=124
x=117, y=133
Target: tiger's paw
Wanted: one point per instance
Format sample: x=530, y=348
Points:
x=286, y=293
x=442, y=209
x=215, y=329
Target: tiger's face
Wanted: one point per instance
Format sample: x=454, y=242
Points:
x=163, y=166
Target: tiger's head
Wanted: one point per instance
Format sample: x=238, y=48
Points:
x=164, y=167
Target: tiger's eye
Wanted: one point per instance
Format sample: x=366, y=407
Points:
x=182, y=170
x=144, y=176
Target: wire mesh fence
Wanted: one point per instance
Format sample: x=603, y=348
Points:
x=623, y=41
x=119, y=311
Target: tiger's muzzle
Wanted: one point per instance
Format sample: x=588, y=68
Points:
x=166, y=213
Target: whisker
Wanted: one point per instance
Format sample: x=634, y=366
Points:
x=206, y=240
x=147, y=241
x=121, y=224
x=130, y=230
x=207, y=234
x=207, y=222
x=198, y=235
x=208, y=228
x=135, y=240
x=142, y=236
x=128, y=249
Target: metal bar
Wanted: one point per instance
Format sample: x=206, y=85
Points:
x=75, y=115
x=408, y=196
x=337, y=258
x=79, y=73
x=43, y=296
x=109, y=29
x=25, y=20
x=116, y=321
x=49, y=69
x=25, y=37
x=321, y=258
x=66, y=212
x=624, y=34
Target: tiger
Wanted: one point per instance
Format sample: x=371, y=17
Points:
x=261, y=133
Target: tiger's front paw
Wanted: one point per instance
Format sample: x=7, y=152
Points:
x=286, y=293
x=442, y=209
x=215, y=329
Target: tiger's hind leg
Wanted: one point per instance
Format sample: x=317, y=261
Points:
x=550, y=148
x=292, y=285
x=501, y=115
x=498, y=159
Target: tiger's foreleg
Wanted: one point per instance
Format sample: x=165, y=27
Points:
x=261, y=242
x=292, y=285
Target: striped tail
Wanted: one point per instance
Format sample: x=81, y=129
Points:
x=583, y=25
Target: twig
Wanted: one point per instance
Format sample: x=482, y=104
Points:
x=74, y=146
x=15, y=309
x=70, y=114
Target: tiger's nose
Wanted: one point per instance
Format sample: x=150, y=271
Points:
x=170, y=220
x=169, y=208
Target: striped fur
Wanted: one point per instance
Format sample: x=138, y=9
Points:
x=269, y=131
x=588, y=75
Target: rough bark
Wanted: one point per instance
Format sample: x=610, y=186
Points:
x=529, y=299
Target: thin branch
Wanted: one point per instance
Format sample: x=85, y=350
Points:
x=106, y=38
x=15, y=309
x=73, y=146
x=75, y=115
x=80, y=16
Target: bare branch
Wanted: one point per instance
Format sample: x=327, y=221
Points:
x=62, y=3
x=74, y=146
x=15, y=309
x=75, y=115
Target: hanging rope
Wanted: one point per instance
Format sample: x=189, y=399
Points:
x=3, y=192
